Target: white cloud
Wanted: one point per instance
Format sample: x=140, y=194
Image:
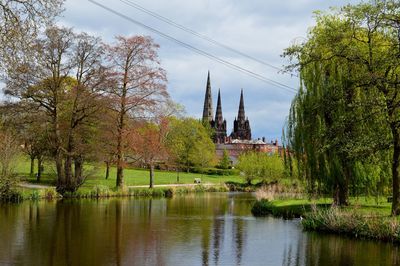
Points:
x=260, y=28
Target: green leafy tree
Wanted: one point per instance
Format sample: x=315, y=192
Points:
x=225, y=162
x=70, y=104
x=348, y=105
x=189, y=143
x=256, y=165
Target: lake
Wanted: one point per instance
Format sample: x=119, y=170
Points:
x=193, y=229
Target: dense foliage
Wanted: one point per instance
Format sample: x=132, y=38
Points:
x=256, y=165
x=190, y=144
x=343, y=130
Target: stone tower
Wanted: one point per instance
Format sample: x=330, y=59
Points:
x=219, y=123
x=241, y=125
x=208, y=110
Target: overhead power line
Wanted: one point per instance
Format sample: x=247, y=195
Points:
x=199, y=51
x=195, y=33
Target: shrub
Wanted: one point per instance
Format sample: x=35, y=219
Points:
x=100, y=191
x=157, y=192
x=256, y=165
x=199, y=188
x=168, y=192
x=11, y=195
x=35, y=195
x=334, y=220
x=181, y=190
x=225, y=162
x=214, y=171
x=8, y=193
x=262, y=208
x=50, y=193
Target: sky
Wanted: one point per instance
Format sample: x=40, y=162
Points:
x=258, y=28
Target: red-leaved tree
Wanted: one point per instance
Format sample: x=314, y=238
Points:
x=139, y=87
x=148, y=144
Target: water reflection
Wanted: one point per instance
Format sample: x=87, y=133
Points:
x=197, y=229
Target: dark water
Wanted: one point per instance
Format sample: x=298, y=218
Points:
x=197, y=229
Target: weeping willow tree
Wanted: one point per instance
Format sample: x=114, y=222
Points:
x=338, y=122
x=319, y=128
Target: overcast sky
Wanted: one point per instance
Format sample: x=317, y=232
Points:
x=260, y=28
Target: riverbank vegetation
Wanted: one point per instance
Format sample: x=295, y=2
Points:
x=342, y=134
x=102, y=191
x=212, y=180
x=364, y=219
x=353, y=223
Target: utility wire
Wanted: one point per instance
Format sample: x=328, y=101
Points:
x=195, y=33
x=201, y=52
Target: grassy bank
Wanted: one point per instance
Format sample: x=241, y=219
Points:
x=364, y=218
x=96, y=185
x=287, y=209
x=353, y=223
x=100, y=191
x=95, y=175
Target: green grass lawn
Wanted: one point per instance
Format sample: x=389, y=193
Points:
x=363, y=205
x=132, y=177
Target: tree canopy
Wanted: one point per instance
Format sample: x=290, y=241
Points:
x=346, y=114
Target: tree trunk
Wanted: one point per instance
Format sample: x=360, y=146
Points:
x=395, y=171
x=69, y=176
x=151, y=175
x=60, y=173
x=120, y=168
x=39, y=172
x=68, y=172
x=107, y=169
x=341, y=197
x=58, y=154
x=32, y=166
x=120, y=155
x=78, y=163
x=120, y=173
x=121, y=127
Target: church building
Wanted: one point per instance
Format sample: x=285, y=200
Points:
x=241, y=124
x=240, y=139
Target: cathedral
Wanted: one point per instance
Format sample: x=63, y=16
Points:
x=239, y=140
x=241, y=124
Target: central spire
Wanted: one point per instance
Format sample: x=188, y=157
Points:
x=241, y=114
x=219, y=123
x=207, y=110
x=218, y=113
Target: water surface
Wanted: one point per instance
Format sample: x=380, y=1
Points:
x=195, y=229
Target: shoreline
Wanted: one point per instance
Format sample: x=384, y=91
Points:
x=356, y=221
x=34, y=192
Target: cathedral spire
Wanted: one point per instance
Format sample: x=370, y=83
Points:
x=218, y=112
x=219, y=123
x=241, y=125
x=207, y=110
x=241, y=114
